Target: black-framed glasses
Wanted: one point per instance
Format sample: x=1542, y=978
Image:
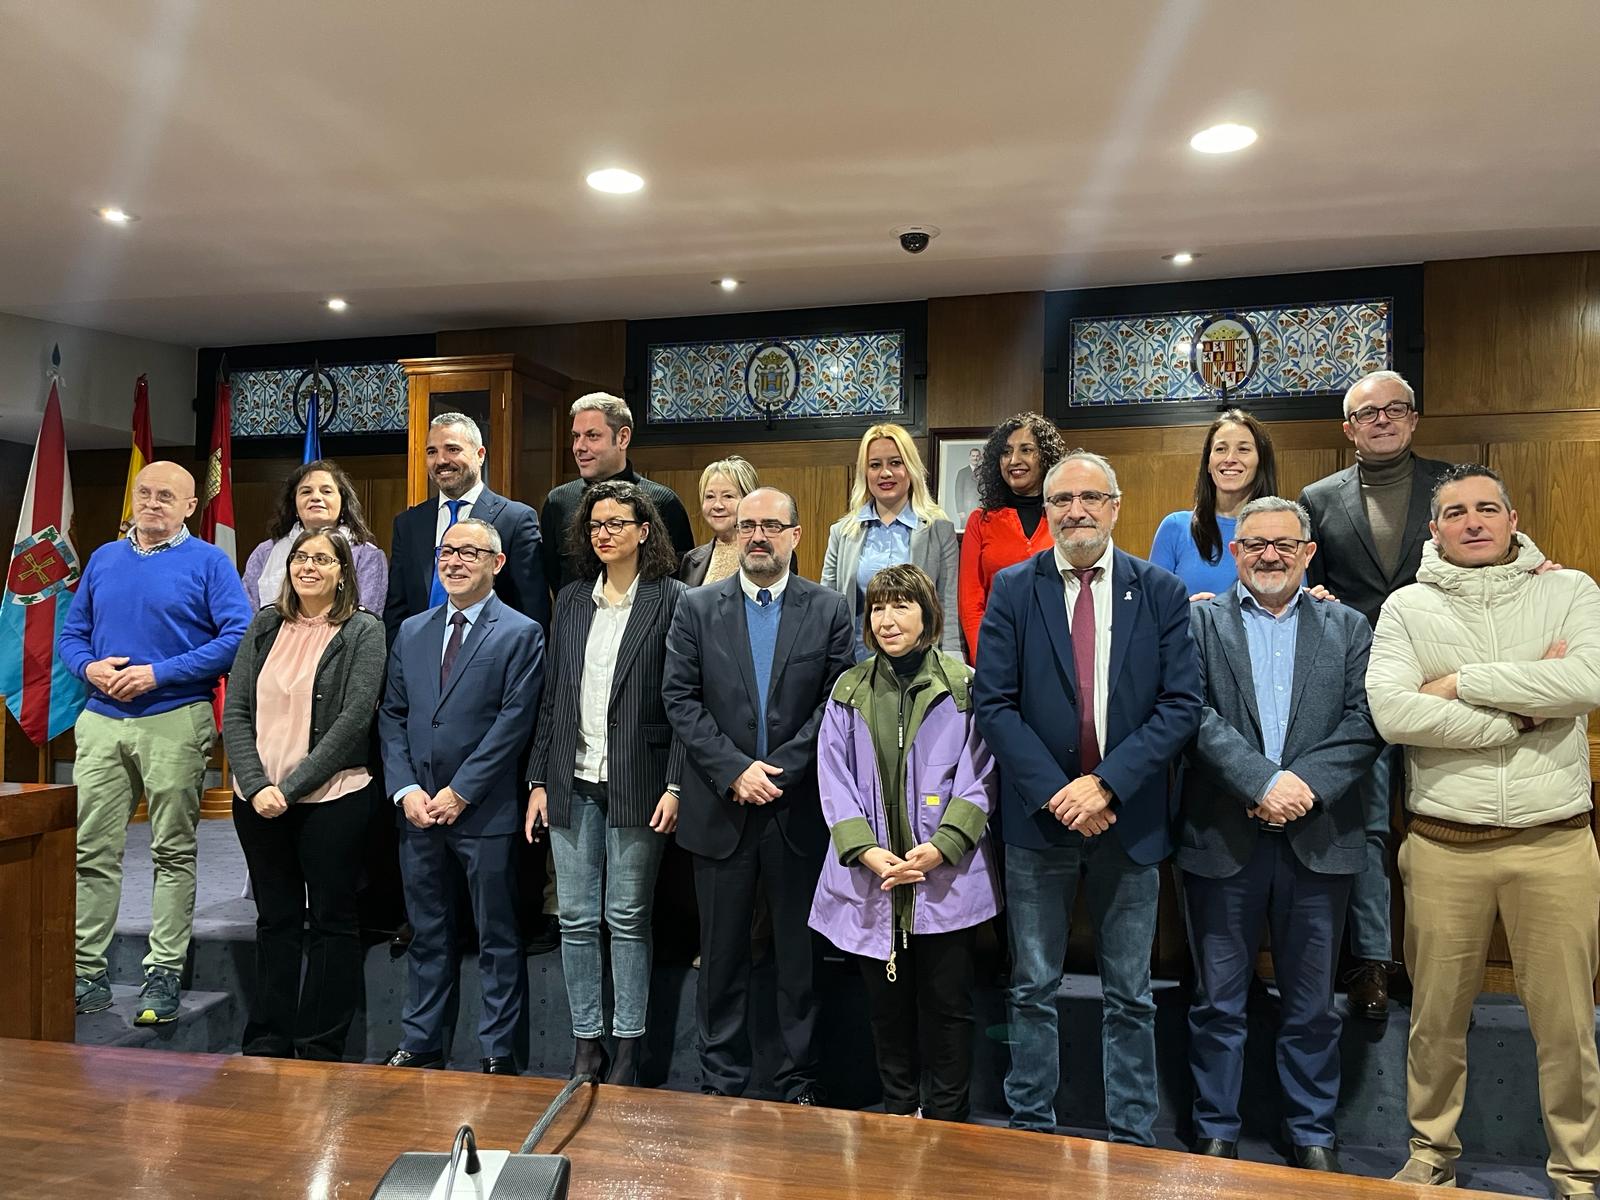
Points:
x=1286, y=547
x=1091, y=501
x=467, y=554
x=1398, y=411
x=300, y=558
x=769, y=527
x=614, y=526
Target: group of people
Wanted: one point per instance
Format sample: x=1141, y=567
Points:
x=940, y=733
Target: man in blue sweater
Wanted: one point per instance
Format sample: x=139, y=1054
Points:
x=157, y=618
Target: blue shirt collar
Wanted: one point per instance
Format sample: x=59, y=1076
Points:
x=471, y=613
x=1249, y=602
x=907, y=516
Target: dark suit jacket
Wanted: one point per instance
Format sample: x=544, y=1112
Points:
x=561, y=505
x=1025, y=696
x=520, y=584
x=472, y=736
x=642, y=756
x=1347, y=561
x=694, y=565
x=1331, y=742
x=710, y=693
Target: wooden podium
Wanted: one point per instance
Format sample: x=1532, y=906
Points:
x=38, y=899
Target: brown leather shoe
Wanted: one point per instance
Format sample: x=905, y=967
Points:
x=1367, y=988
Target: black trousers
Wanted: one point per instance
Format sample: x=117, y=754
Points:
x=304, y=870
x=922, y=1025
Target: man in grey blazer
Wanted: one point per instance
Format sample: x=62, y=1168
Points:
x=1370, y=522
x=1271, y=824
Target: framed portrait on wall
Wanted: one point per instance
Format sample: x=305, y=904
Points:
x=955, y=455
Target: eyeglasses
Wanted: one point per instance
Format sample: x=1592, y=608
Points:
x=1398, y=411
x=467, y=554
x=1091, y=501
x=770, y=528
x=1286, y=547
x=614, y=526
x=300, y=558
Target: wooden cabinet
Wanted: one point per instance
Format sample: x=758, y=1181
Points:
x=38, y=859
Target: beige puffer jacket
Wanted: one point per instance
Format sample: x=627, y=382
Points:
x=1468, y=760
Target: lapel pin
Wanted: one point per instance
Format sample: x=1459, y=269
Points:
x=1128, y=595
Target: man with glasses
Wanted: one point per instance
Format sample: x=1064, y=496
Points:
x=1271, y=828
x=456, y=719
x=1370, y=521
x=750, y=662
x=1087, y=689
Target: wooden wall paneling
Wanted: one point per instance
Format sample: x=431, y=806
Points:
x=985, y=358
x=1152, y=486
x=592, y=354
x=1297, y=468
x=1551, y=486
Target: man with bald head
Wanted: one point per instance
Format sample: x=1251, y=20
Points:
x=157, y=618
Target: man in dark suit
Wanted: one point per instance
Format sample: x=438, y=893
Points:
x=455, y=465
x=750, y=662
x=455, y=721
x=1370, y=522
x=1271, y=827
x=1087, y=688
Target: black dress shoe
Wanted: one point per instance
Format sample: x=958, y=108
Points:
x=415, y=1058
x=544, y=937
x=1217, y=1148
x=590, y=1057
x=711, y=1091
x=1367, y=989
x=1318, y=1158
x=499, y=1065
x=625, y=1067
x=811, y=1096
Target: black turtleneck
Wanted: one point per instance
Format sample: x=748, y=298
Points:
x=907, y=665
x=1030, y=510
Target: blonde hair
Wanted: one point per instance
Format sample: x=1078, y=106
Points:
x=921, y=499
x=736, y=470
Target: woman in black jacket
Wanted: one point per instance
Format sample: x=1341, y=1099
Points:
x=605, y=763
x=301, y=700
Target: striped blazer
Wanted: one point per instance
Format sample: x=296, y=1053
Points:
x=643, y=755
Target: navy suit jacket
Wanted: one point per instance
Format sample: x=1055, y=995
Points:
x=472, y=736
x=411, y=563
x=1025, y=697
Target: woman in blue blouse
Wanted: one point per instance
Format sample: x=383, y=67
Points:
x=1236, y=466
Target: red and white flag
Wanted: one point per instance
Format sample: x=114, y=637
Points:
x=216, y=511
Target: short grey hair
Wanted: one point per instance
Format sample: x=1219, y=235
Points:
x=489, y=531
x=463, y=422
x=615, y=410
x=1272, y=504
x=1094, y=460
x=1380, y=377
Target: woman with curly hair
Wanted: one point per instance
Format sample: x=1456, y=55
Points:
x=317, y=495
x=1008, y=524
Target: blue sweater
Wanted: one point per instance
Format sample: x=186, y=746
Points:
x=762, y=624
x=182, y=611
x=1175, y=550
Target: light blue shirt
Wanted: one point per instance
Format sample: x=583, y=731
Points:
x=472, y=614
x=882, y=545
x=1271, y=641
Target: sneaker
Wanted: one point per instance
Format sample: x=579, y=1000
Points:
x=1425, y=1173
x=158, y=998
x=91, y=995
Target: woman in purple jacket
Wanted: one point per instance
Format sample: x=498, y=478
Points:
x=907, y=787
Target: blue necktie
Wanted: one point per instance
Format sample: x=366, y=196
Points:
x=764, y=597
x=436, y=592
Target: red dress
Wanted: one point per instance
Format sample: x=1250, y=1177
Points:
x=992, y=541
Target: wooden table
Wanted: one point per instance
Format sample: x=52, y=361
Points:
x=86, y=1121
x=38, y=898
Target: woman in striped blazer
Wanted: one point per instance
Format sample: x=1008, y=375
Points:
x=605, y=764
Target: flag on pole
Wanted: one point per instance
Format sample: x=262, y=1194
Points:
x=216, y=510
x=143, y=452
x=313, y=447
x=41, y=577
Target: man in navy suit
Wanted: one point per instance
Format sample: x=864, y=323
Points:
x=1273, y=825
x=456, y=718
x=1087, y=689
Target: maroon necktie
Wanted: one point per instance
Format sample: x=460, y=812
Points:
x=458, y=622
x=1083, y=663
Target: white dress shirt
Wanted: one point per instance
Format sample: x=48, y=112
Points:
x=1100, y=590
x=751, y=587
x=599, y=665
x=467, y=498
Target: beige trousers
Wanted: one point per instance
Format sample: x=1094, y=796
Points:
x=1545, y=886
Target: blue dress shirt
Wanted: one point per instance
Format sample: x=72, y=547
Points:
x=1271, y=641
x=882, y=545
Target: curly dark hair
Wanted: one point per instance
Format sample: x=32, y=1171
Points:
x=993, y=491
x=1203, y=522
x=656, y=556
x=350, y=514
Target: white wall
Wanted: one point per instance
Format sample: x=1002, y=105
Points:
x=97, y=375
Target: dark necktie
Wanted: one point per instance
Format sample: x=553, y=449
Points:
x=764, y=597
x=436, y=592
x=458, y=622
x=1083, y=662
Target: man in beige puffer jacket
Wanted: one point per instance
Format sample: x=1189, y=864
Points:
x=1485, y=670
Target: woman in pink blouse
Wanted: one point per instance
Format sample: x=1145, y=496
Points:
x=301, y=700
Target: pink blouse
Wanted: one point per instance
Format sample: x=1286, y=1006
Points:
x=284, y=692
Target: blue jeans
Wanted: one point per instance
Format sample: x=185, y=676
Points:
x=1370, y=935
x=599, y=864
x=1040, y=888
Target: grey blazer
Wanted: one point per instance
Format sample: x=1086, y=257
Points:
x=933, y=548
x=1347, y=560
x=349, y=678
x=1331, y=742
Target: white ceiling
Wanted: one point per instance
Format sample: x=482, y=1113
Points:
x=426, y=159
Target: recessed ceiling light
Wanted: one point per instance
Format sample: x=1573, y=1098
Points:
x=338, y=305
x=726, y=285
x=116, y=216
x=614, y=179
x=1223, y=139
x=1181, y=259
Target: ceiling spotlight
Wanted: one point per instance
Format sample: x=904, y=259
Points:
x=615, y=180
x=1181, y=259
x=338, y=305
x=726, y=285
x=116, y=216
x=1223, y=139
